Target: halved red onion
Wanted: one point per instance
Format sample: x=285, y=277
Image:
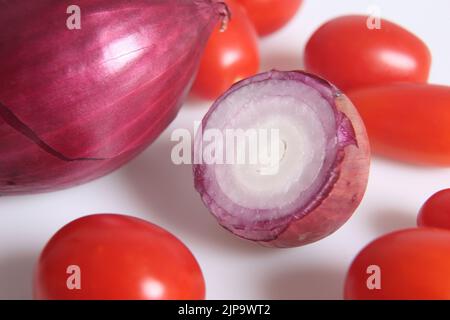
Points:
x=323, y=160
x=76, y=104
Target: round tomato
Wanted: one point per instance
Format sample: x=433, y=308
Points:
x=407, y=122
x=352, y=52
x=436, y=211
x=407, y=264
x=229, y=56
x=110, y=256
x=269, y=16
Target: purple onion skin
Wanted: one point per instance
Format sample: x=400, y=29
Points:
x=77, y=104
x=339, y=195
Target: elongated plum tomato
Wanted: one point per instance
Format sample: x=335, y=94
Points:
x=76, y=104
x=269, y=16
x=352, y=52
x=108, y=256
x=230, y=56
x=436, y=211
x=310, y=159
x=407, y=264
x=407, y=122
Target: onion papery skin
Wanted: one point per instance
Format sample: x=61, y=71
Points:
x=77, y=104
x=340, y=189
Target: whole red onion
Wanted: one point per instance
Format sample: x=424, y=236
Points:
x=76, y=104
x=322, y=168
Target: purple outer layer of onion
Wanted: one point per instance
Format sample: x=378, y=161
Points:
x=76, y=104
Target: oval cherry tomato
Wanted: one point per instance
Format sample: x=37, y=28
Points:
x=408, y=122
x=351, y=55
x=269, y=16
x=229, y=56
x=436, y=211
x=407, y=264
x=116, y=257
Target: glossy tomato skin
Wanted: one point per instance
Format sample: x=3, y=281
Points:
x=407, y=122
x=413, y=264
x=349, y=54
x=229, y=57
x=436, y=211
x=269, y=16
x=119, y=257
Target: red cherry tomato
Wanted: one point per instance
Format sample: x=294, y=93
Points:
x=351, y=55
x=229, y=56
x=118, y=257
x=407, y=122
x=436, y=211
x=269, y=16
x=407, y=264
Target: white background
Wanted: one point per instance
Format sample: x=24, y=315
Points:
x=151, y=187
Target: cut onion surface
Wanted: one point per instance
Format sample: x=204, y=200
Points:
x=312, y=159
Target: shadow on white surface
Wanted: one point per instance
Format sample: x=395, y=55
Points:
x=282, y=60
x=196, y=103
x=167, y=190
x=388, y=220
x=306, y=284
x=16, y=276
